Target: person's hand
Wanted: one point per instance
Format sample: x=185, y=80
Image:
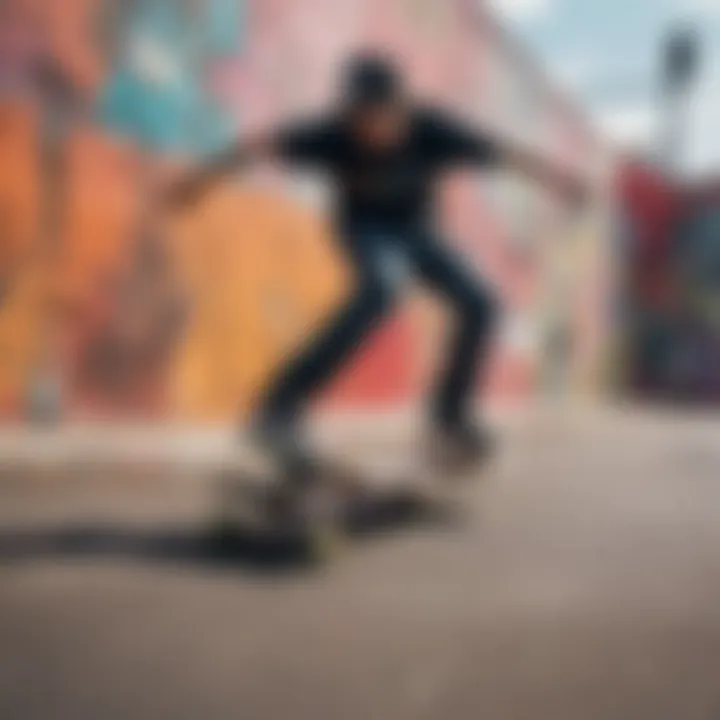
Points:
x=184, y=192
x=191, y=188
x=563, y=182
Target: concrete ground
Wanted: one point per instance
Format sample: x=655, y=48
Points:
x=582, y=583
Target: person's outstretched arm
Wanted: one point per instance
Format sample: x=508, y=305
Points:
x=476, y=146
x=554, y=177
x=197, y=182
x=306, y=143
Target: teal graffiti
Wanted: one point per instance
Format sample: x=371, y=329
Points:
x=157, y=91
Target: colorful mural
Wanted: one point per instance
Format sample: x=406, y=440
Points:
x=187, y=316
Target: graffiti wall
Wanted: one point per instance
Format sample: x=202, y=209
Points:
x=126, y=312
x=669, y=242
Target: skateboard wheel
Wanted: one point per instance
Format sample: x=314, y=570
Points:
x=323, y=545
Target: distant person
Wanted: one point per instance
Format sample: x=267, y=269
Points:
x=386, y=153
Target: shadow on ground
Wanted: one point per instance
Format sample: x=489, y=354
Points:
x=212, y=543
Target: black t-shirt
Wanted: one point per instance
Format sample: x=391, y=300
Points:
x=393, y=187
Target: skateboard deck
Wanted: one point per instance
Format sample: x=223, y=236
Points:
x=353, y=502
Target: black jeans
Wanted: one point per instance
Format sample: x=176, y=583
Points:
x=382, y=261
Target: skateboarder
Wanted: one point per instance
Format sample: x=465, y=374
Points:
x=385, y=152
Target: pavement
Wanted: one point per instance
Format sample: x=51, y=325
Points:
x=580, y=582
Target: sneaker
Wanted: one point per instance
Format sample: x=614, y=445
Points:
x=464, y=443
x=310, y=506
x=283, y=441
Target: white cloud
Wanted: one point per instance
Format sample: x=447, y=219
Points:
x=703, y=139
x=574, y=73
x=702, y=6
x=634, y=125
x=638, y=126
x=519, y=10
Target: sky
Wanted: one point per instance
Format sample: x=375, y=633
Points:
x=606, y=53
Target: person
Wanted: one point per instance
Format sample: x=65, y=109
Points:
x=386, y=152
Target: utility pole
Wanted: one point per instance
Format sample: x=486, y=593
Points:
x=680, y=61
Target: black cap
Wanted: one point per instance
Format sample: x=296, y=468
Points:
x=371, y=80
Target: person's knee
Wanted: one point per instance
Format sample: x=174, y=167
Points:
x=377, y=295
x=480, y=310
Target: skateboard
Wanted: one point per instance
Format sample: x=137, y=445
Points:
x=344, y=501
